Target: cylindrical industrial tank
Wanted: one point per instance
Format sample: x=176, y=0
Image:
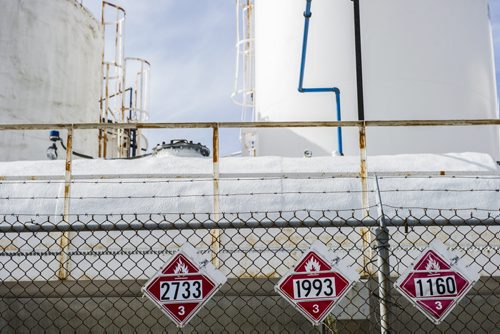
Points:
x=50, y=72
x=279, y=26
x=425, y=59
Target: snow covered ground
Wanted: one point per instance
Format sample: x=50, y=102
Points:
x=185, y=185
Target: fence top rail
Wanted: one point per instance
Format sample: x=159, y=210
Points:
x=207, y=125
x=223, y=224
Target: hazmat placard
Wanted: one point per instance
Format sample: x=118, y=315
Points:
x=436, y=282
x=183, y=285
x=316, y=283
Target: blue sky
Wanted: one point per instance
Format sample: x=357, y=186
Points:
x=190, y=44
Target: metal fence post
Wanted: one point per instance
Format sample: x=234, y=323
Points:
x=215, y=246
x=64, y=241
x=364, y=232
x=384, y=269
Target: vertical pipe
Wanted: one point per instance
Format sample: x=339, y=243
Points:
x=140, y=89
x=384, y=269
x=362, y=130
x=307, y=16
x=125, y=133
x=250, y=59
x=339, y=129
x=119, y=67
x=215, y=233
x=101, y=102
x=359, y=60
x=138, y=132
x=301, y=89
x=106, y=110
x=133, y=131
x=64, y=240
x=139, y=141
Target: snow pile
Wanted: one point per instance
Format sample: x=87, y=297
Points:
x=185, y=185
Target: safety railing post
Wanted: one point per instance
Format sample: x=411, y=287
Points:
x=363, y=174
x=215, y=233
x=384, y=269
x=64, y=241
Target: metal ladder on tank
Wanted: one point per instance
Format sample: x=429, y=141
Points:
x=119, y=104
x=243, y=93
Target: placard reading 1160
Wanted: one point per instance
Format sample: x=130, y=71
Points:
x=435, y=286
x=180, y=290
x=313, y=288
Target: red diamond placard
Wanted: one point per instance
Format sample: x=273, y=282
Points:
x=316, y=283
x=436, y=282
x=183, y=285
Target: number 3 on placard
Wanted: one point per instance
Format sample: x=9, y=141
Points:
x=439, y=306
x=182, y=311
x=315, y=308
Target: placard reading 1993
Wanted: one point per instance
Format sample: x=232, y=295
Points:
x=316, y=283
x=311, y=288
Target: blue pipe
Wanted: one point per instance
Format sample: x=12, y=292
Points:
x=307, y=16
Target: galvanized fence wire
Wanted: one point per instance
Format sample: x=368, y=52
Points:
x=124, y=179
x=249, y=194
x=93, y=283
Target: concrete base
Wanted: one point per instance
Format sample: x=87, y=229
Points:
x=244, y=305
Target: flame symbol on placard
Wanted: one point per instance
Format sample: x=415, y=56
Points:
x=312, y=265
x=432, y=265
x=181, y=268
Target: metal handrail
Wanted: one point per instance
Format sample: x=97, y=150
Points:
x=226, y=125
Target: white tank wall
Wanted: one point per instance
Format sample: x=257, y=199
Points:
x=424, y=59
x=279, y=26
x=429, y=60
x=50, y=72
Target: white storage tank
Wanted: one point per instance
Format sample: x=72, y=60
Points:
x=50, y=73
x=425, y=59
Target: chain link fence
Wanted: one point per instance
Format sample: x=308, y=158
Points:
x=85, y=273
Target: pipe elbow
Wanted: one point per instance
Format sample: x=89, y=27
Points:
x=300, y=90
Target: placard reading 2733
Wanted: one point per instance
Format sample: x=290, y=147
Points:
x=183, y=285
x=185, y=290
